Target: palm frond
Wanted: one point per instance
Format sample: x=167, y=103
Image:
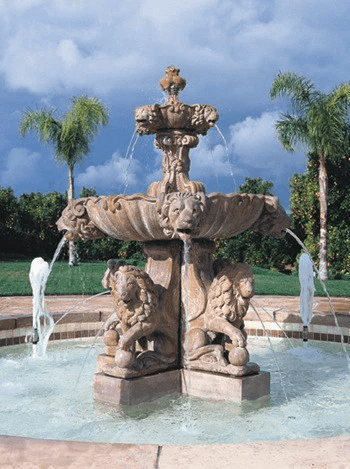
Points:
x=300, y=90
x=80, y=126
x=43, y=123
x=340, y=98
x=326, y=124
x=291, y=131
x=89, y=112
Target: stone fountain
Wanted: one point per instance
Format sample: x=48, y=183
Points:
x=178, y=325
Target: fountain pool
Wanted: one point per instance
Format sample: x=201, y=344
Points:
x=39, y=398
x=181, y=312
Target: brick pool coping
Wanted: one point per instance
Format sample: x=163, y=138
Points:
x=86, y=315
x=85, y=320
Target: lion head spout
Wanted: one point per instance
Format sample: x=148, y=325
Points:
x=181, y=213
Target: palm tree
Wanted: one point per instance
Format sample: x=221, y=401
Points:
x=71, y=135
x=318, y=121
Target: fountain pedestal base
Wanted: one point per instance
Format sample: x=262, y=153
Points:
x=222, y=387
x=120, y=391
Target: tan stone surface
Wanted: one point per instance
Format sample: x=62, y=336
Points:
x=23, y=305
x=117, y=391
x=209, y=385
x=26, y=453
x=333, y=453
x=142, y=318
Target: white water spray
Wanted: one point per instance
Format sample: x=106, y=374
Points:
x=327, y=294
x=43, y=322
x=307, y=289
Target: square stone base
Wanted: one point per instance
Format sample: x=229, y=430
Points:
x=119, y=391
x=222, y=387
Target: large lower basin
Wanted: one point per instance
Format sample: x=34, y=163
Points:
x=52, y=398
x=18, y=452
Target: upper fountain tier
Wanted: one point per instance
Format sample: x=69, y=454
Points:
x=174, y=207
x=176, y=126
x=174, y=115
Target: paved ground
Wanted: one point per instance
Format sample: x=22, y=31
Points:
x=24, y=453
x=22, y=305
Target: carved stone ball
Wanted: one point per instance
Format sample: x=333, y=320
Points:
x=124, y=359
x=238, y=356
x=111, y=337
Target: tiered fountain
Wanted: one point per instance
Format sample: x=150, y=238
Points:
x=178, y=325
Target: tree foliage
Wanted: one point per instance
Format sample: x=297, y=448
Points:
x=305, y=209
x=28, y=229
x=28, y=224
x=317, y=120
x=254, y=248
x=71, y=135
x=10, y=239
x=256, y=186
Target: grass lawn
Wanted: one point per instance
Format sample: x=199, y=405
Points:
x=86, y=279
x=64, y=280
x=269, y=282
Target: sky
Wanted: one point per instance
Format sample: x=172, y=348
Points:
x=229, y=51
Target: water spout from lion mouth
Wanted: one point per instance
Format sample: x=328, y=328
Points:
x=184, y=234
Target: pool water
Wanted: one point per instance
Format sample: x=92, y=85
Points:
x=41, y=398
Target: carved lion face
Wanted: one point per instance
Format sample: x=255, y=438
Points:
x=246, y=286
x=121, y=278
x=181, y=213
x=211, y=115
x=126, y=286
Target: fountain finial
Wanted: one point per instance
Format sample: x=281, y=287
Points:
x=172, y=83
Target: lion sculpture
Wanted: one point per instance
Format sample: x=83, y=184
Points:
x=227, y=303
x=137, y=318
x=181, y=213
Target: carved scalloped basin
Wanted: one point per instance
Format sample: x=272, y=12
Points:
x=176, y=215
